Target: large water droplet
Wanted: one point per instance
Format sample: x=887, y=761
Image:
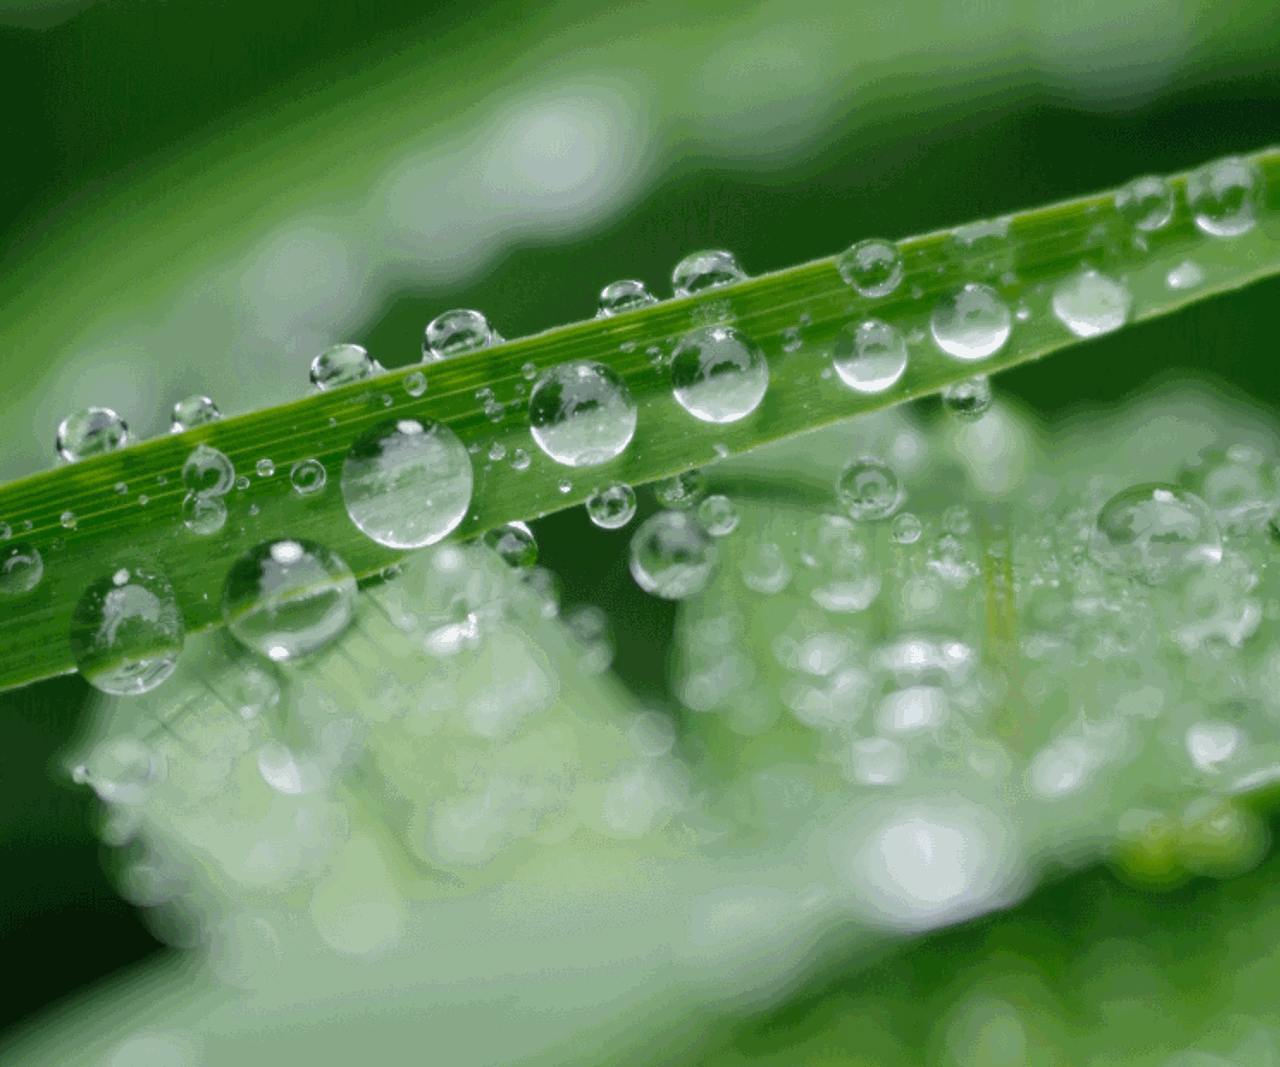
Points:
x=308, y=476
x=612, y=506
x=456, y=332
x=868, y=489
x=870, y=356
x=971, y=323
x=407, y=483
x=1145, y=203
x=342, y=365
x=1089, y=303
x=91, y=432
x=1224, y=196
x=624, y=296
x=208, y=472
x=193, y=411
x=20, y=568
x=1152, y=531
x=872, y=267
x=719, y=374
x=681, y=491
x=126, y=631
x=203, y=513
x=700, y=271
x=288, y=599
x=515, y=543
x=671, y=555
x=968, y=400
x=582, y=413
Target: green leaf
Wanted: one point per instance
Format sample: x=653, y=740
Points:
x=1033, y=252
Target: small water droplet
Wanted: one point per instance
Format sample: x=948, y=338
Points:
x=407, y=483
x=121, y=487
x=968, y=400
x=203, y=514
x=721, y=450
x=872, y=267
x=1154, y=530
x=21, y=567
x=1186, y=275
x=68, y=520
x=868, y=489
x=208, y=472
x=869, y=357
x=718, y=515
x=681, y=491
x=456, y=332
x=1146, y=203
x=612, y=506
x=494, y=410
x=497, y=452
x=529, y=371
x=415, y=383
x=308, y=476
x=957, y=520
x=515, y=543
x=1224, y=196
x=341, y=365
x=126, y=636
x=143, y=500
x=520, y=460
x=264, y=468
x=288, y=599
x=1089, y=303
x=623, y=296
x=971, y=323
x=193, y=411
x=906, y=528
x=701, y=271
x=672, y=556
x=242, y=482
x=582, y=413
x=91, y=432
x=564, y=485
x=719, y=374
x=791, y=339
x=1023, y=313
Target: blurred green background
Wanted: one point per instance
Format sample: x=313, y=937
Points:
x=198, y=197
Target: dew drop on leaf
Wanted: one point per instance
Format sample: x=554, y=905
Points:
x=21, y=568
x=208, y=472
x=971, y=323
x=672, y=556
x=308, y=476
x=342, y=365
x=623, y=296
x=718, y=374
x=203, y=514
x=193, y=411
x=612, y=506
x=968, y=400
x=718, y=515
x=1224, y=196
x=869, y=357
x=1153, y=531
x=1145, y=203
x=868, y=489
x=1089, y=303
x=872, y=267
x=91, y=432
x=514, y=543
x=681, y=491
x=582, y=413
x=700, y=271
x=456, y=332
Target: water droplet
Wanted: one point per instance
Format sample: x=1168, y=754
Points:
x=456, y=332
x=612, y=506
x=264, y=467
x=971, y=323
x=869, y=357
x=719, y=374
x=1224, y=196
x=497, y=452
x=208, y=472
x=836, y=554
x=20, y=568
x=868, y=489
x=582, y=413
x=957, y=520
x=143, y=500
x=1089, y=303
x=623, y=296
x=308, y=476
x=161, y=480
x=407, y=483
x=5, y=531
x=764, y=568
x=1186, y=275
x=671, y=556
x=564, y=485
x=905, y=529
x=126, y=635
x=415, y=383
x=520, y=460
x=121, y=487
x=91, y=432
x=1154, y=530
x=872, y=267
x=718, y=515
x=342, y=365
x=203, y=514
x=68, y=520
x=288, y=599
x=1146, y=203
x=701, y=271
x=529, y=371
x=193, y=411
x=791, y=339
x=968, y=400
x=983, y=248
x=681, y=491
x=515, y=543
